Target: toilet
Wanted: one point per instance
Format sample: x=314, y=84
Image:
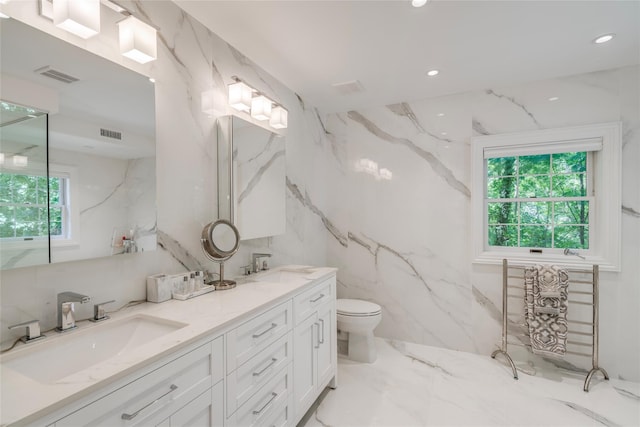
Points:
x=359, y=318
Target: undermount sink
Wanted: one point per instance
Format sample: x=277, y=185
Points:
x=283, y=275
x=50, y=361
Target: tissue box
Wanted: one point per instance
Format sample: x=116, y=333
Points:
x=159, y=288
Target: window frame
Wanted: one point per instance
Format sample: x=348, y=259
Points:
x=605, y=212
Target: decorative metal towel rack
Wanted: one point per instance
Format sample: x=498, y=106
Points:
x=594, y=273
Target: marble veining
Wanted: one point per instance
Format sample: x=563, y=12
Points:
x=417, y=385
x=443, y=171
x=107, y=197
x=308, y=203
x=630, y=211
x=178, y=252
x=255, y=179
x=512, y=100
x=403, y=109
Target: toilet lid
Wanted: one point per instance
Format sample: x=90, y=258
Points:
x=356, y=307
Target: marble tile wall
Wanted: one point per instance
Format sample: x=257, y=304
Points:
x=191, y=60
x=402, y=236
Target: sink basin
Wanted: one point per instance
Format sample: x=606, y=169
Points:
x=283, y=275
x=53, y=360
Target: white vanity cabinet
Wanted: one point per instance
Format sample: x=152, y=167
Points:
x=187, y=386
x=314, y=349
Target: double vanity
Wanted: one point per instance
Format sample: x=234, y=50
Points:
x=259, y=354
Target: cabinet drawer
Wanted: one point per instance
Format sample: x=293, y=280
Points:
x=282, y=416
x=261, y=406
x=204, y=410
x=248, y=378
x=306, y=303
x=256, y=334
x=156, y=395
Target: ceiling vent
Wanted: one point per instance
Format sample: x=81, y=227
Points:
x=111, y=134
x=47, y=71
x=348, y=88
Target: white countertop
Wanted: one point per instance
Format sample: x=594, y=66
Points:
x=23, y=399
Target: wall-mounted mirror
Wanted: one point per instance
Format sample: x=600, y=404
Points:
x=251, y=178
x=101, y=152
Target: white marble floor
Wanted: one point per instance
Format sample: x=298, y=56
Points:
x=415, y=385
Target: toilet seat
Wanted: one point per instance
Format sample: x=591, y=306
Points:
x=357, y=308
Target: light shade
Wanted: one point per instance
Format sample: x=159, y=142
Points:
x=20, y=161
x=240, y=96
x=138, y=40
x=278, y=118
x=261, y=108
x=79, y=17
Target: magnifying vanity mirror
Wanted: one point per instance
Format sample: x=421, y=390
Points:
x=220, y=241
x=82, y=129
x=251, y=178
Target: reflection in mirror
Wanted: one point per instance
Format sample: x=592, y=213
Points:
x=220, y=241
x=101, y=131
x=258, y=187
x=24, y=230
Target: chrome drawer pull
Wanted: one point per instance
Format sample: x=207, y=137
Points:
x=321, y=328
x=318, y=335
x=273, y=325
x=273, y=396
x=273, y=360
x=317, y=299
x=129, y=417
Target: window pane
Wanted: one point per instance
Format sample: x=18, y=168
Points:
x=501, y=166
x=6, y=221
x=576, y=212
x=574, y=237
x=503, y=213
x=27, y=214
x=534, y=186
x=27, y=229
x=503, y=235
x=535, y=212
x=533, y=165
x=56, y=221
x=54, y=189
x=573, y=185
x=501, y=188
x=569, y=162
x=24, y=189
x=535, y=236
x=56, y=228
x=42, y=190
x=5, y=187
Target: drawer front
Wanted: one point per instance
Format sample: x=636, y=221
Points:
x=255, y=335
x=155, y=395
x=205, y=410
x=262, y=405
x=282, y=416
x=306, y=303
x=248, y=378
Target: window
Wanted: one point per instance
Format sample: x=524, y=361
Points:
x=535, y=194
x=23, y=206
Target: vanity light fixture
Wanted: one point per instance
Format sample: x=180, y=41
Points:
x=137, y=40
x=261, y=107
x=385, y=173
x=433, y=73
x=20, y=161
x=604, y=38
x=279, y=117
x=418, y=3
x=240, y=95
x=81, y=18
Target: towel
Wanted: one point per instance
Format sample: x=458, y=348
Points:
x=546, y=309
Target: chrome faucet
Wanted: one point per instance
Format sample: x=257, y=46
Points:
x=66, y=309
x=255, y=261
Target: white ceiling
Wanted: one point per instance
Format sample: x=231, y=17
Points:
x=389, y=45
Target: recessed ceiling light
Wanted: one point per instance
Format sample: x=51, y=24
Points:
x=443, y=133
x=553, y=98
x=432, y=73
x=418, y=3
x=440, y=114
x=152, y=80
x=604, y=38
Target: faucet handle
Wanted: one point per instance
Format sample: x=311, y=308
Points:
x=33, y=330
x=98, y=311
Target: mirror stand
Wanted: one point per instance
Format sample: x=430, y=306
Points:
x=220, y=240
